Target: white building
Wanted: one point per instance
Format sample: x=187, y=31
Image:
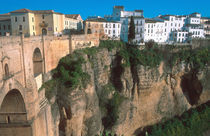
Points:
x=112, y=29
x=122, y=16
x=72, y=22
x=180, y=36
x=205, y=21
x=182, y=28
x=155, y=30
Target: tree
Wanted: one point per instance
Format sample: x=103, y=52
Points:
x=131, y=32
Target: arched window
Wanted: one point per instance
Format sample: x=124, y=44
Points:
x=44, y=31
x=37, y=62
x=6, y=70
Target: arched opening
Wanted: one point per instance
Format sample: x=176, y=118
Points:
x=13, y=116
x=6, y=70
x=44, y=31
x=13, y=108
x=37, y=62
x=89, y=31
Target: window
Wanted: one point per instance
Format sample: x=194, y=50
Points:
x=33, y=27
x=0, y=33
x=42, y=16
x=15, y=19
x=20, y=27
x=0, y=26
x=32, y=19
x=165, y=24
x=6, y=70
x=113, y=25
x=4, y=27
x=24, y=19
x=113, y=31
x=8, y=27
x=171, y=24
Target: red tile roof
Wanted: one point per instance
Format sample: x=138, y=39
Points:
x=21, y=11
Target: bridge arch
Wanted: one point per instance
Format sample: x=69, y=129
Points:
x=12, y=109
x=13, y=115
x=37, y=62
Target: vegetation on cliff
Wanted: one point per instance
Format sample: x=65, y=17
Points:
x=72, y=74
x=192, y=123
x=196, y=58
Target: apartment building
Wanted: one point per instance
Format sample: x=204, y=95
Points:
x=173, y=28
x=205, y=21
x=123, y=17
x=155, y=30
x=5, y=24
x=105, y=29
x=73, y=22
x=38, y=22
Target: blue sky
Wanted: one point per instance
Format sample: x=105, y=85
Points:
x=86, y=8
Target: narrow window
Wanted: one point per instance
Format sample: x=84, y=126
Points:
x=6, y=70
x=42, y=16
x=24, y=19
x=15, y=19
x=32, y=19
x=8, y=119
x=9, y=27
x=20, y=27
x=4, y=27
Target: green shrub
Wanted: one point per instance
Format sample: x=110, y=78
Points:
x=193, y=123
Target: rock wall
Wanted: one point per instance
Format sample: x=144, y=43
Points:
x=151, y=95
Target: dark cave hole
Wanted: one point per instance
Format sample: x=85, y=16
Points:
x=116, y=73
x=191, y=87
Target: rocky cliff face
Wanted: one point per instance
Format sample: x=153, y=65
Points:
x=149, y=95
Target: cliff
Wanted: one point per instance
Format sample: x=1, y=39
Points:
x=116, y=88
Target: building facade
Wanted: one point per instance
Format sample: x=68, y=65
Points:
x=38, y=22
x=73, y=22
x=5, y=25
x=205, y=21
x=123, y=17
x=105, y=29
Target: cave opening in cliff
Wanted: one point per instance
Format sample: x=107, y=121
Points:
x=116, y=73
x=191, y=87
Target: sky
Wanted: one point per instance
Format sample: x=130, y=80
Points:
x=87, y=8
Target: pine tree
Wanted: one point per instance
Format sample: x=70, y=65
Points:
x=131, y=32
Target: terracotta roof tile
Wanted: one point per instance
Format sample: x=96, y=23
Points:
x=21, y=11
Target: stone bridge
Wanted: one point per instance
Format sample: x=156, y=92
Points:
x=25, y=64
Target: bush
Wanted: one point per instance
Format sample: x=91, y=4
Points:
x=192, y=123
